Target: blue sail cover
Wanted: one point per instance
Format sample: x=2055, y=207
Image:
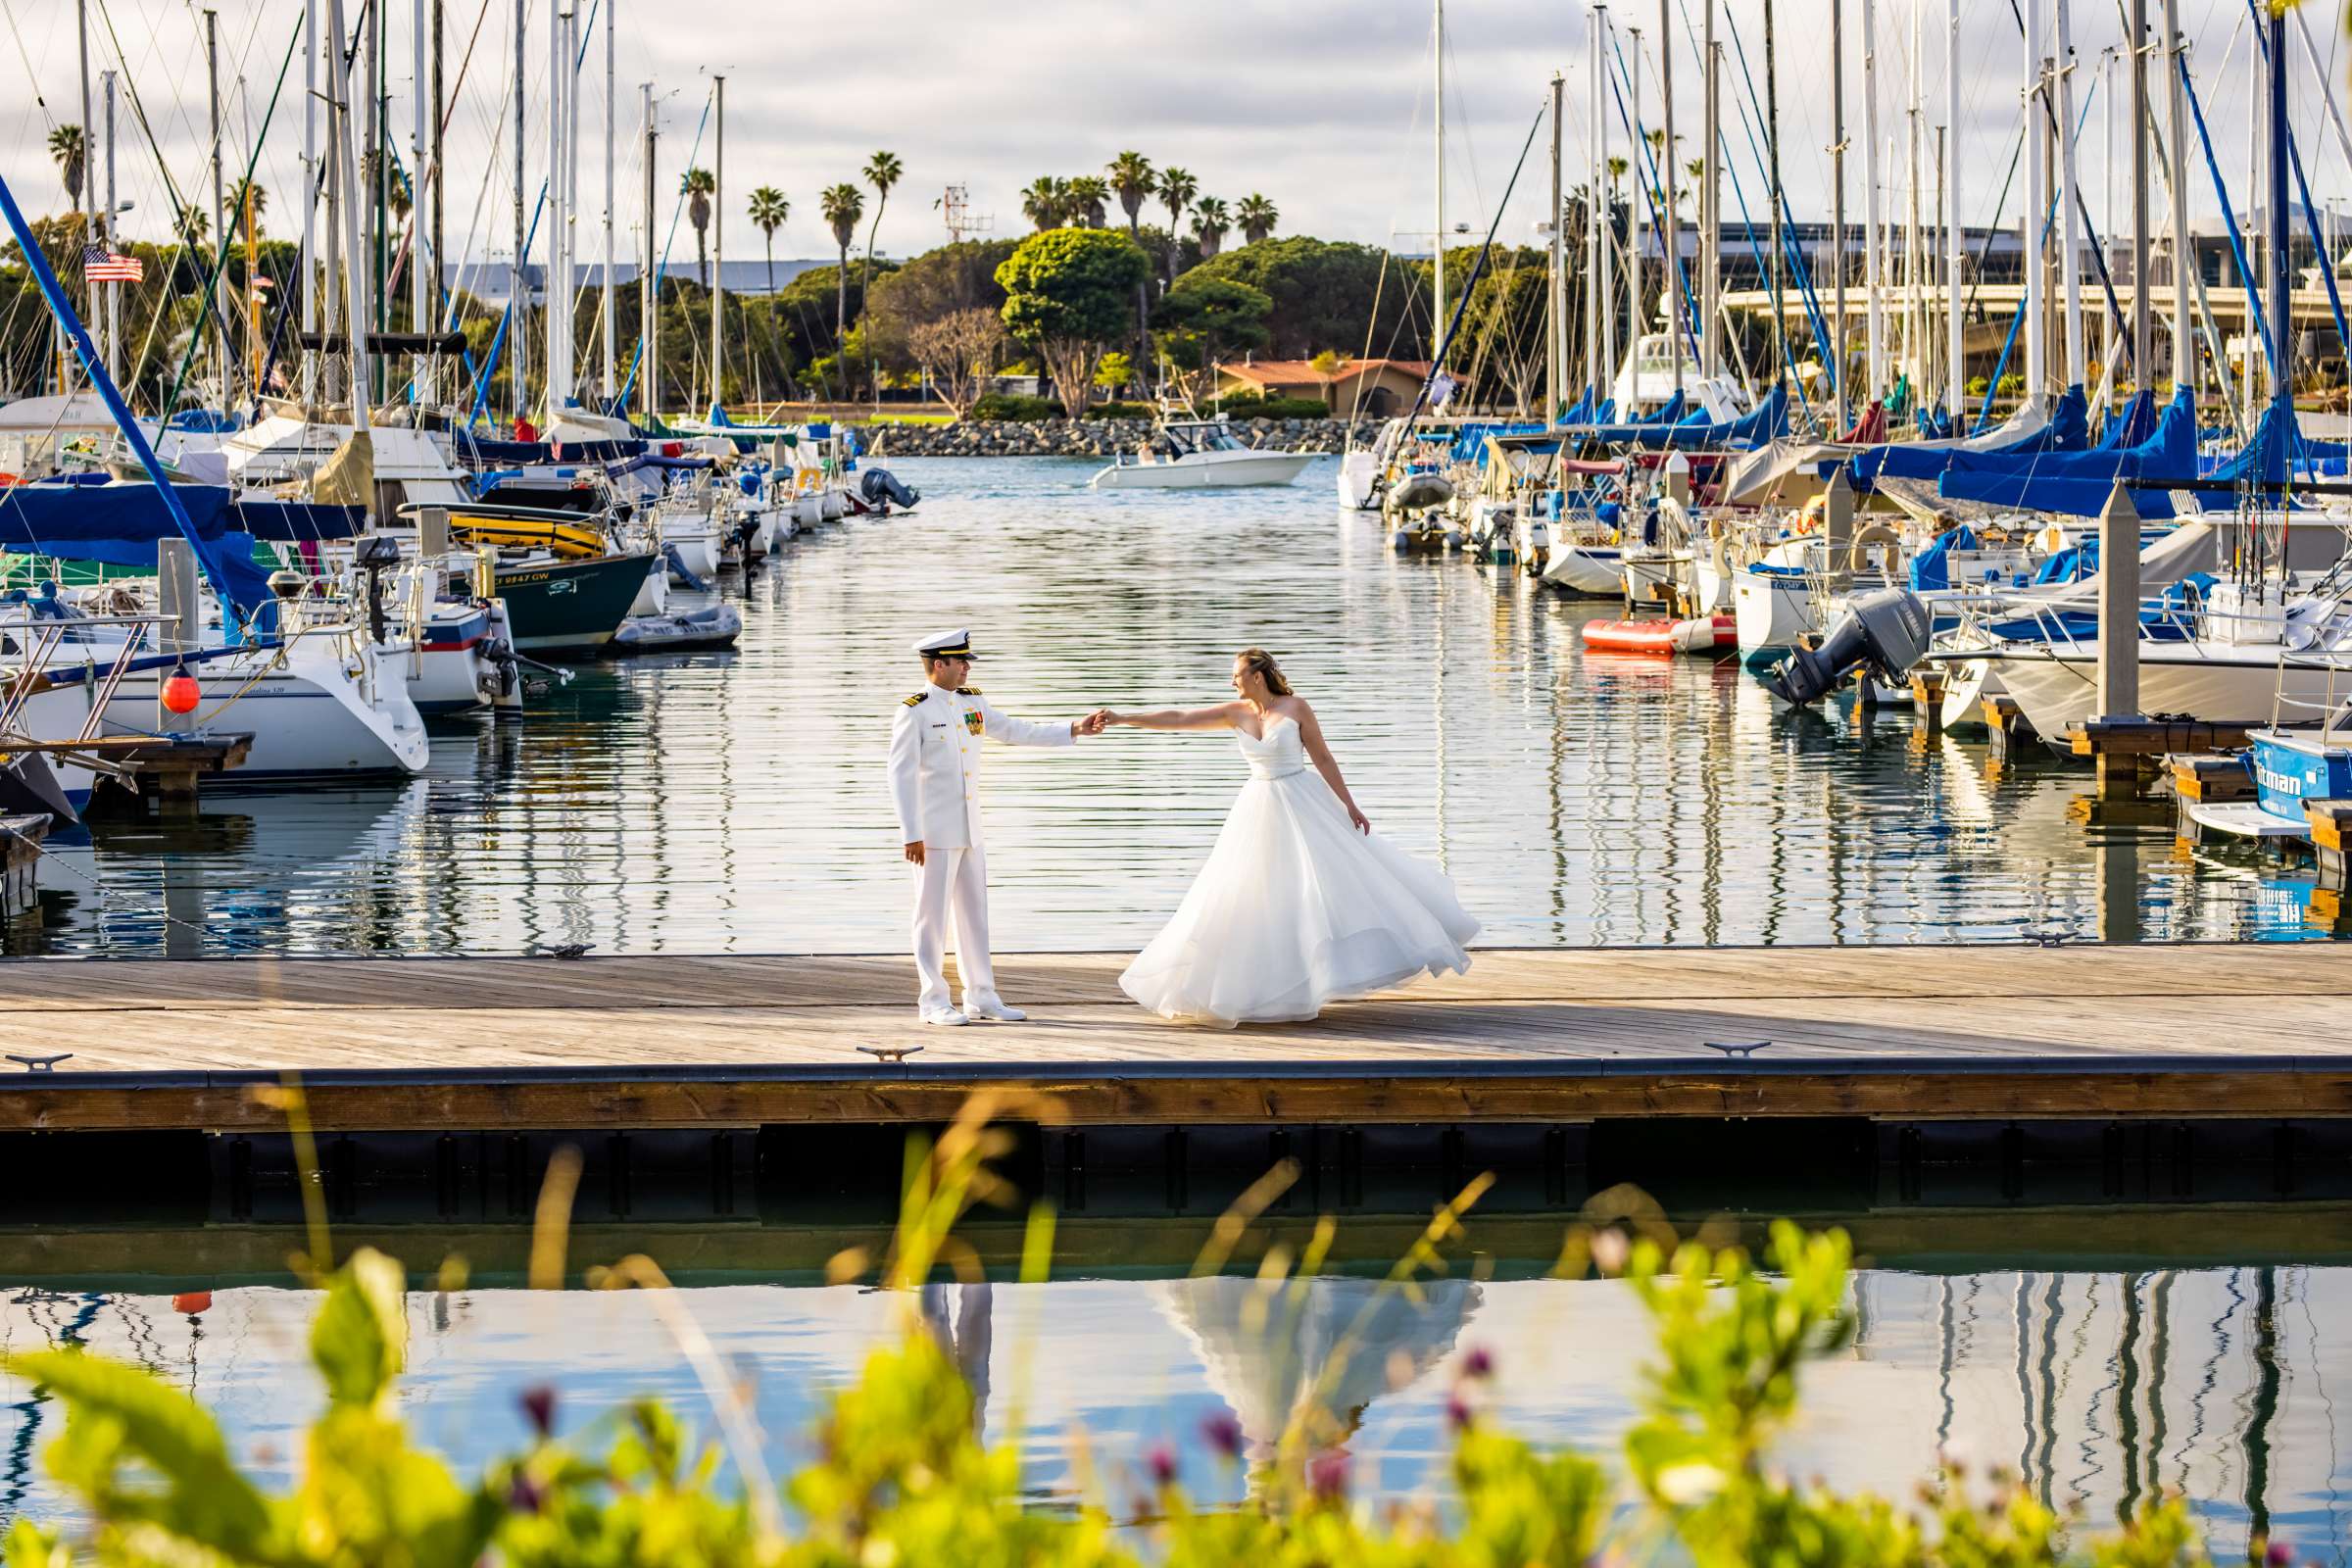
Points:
x=1932, y=567
x=118, y=524
x=2134, y=424
x=1469, y=441
x=2079, y=483
x=2265, y=458
x=2069, y=430
x=480, y=452
x=1767, y=422
x=1580, y=411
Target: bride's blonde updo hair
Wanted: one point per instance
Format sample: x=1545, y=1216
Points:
x=1260, y=659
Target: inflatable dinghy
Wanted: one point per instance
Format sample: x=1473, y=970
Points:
x=713, y=626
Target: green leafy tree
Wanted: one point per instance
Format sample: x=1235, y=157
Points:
x=1257, y=217
x=69, y=149
x=1327, y=294
x=843, y=205
x=769, y=210
x=1066, y=293
x=700, y=185
x=1203, y=320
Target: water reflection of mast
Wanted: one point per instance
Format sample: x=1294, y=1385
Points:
x=2127, y=1401
x=2265, y=1409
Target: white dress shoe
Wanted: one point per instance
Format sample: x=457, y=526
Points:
x=994, y=1009
x=945, y=1016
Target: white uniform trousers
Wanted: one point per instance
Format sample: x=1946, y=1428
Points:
x=953, y=880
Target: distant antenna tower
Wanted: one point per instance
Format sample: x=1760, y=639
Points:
x=963, y=222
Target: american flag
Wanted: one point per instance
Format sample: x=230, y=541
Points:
x=102, y=266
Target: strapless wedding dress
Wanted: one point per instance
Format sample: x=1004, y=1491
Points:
x=1296, y=907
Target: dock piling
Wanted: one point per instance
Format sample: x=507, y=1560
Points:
x=2119, y=772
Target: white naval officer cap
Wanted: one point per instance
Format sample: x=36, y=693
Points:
x=946, y=645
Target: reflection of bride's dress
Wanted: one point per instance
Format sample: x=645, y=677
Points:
x=1296, y=907
x=1314, y=1353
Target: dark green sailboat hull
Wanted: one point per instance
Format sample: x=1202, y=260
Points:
x=571, y=607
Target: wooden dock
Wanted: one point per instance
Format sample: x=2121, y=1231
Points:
x=1927, y=1033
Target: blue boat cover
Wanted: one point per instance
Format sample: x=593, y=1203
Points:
x=1932, y=567
x=2067, y=430
x=119, y=522
x=2079, y=483
x=473, y=449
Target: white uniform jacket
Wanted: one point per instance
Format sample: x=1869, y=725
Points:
x=934, y=761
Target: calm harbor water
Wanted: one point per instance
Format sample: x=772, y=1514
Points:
x=2095, y=1380
x=736, y=801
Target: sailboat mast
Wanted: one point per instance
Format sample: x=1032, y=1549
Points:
x=518, y=292
x=2070, y=270
x=558, y=303
x=571, y=203
x=1955, y=240
x=2037, y=205
x=649, y=277
x=420, y=290
x=2282, y=391
x=1874, y=276
x=113, y=290
x=1636, y=145
x=342, y=133
x=1710, y=198
x=2176, y=151
x=1603, y=36
x=1914, y=303
x=719, y=249
x=1837, y=386
x=1671, y=248
x=605, y=295
x=310, y=186
x=2144, y=330
x=1596, y=214
x=1437, y=325
x=219, y=224
x=1556, y=344
x=1772, y=134
x=89, y=208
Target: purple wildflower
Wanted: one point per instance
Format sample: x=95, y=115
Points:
x=525, y=1495
x=1479, y=1364
x=2278, y=1554
x=1327, y=1475
x=1223, y=1434
x=1161, y=1459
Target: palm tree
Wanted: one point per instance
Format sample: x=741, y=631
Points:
x=1131, y=177
x=1257, y=216
x=882, y=170
x=1046, y=202
x=1210, y=222
x=1090, y=195
x=769, y=207
x=843, y=205
x=260, y=203
x=1177, y=187
x=68, y=148
x=700, y=186
x=193, y=225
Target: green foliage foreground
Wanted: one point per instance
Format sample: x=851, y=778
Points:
x=900, y=1480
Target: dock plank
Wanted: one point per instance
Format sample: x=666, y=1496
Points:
x=1916, y=1032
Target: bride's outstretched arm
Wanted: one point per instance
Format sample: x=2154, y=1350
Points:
x=1221, y=717
x=1310, y=733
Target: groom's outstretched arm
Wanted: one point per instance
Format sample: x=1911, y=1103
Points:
x=1002, y=726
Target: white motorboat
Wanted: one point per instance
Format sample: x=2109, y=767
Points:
x=1201, y=454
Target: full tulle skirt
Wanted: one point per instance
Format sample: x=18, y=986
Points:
x=1295, y=908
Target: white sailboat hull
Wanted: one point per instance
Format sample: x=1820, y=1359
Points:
x=2056, y=689
x=1591, y=571
x=1772, y=612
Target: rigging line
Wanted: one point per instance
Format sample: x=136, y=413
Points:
x=211, y=290
x=649, y=329
x=2098, y=252
x=9, y=11
x=1651, y=199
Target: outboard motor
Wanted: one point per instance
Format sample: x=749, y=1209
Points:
x=877, y=485
x=1885, y=630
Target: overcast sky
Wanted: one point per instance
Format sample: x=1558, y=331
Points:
x=1323, y=107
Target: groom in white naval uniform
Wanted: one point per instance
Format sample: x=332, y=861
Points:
x=935, y=786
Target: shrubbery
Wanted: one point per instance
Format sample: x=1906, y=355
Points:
x=901, y=1479
x=1116, y=410
x=1011, y=406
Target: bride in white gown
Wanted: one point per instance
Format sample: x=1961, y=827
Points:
x=1301, y=903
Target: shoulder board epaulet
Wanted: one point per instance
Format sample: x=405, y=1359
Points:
x=967, y=691
x=915, y=701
